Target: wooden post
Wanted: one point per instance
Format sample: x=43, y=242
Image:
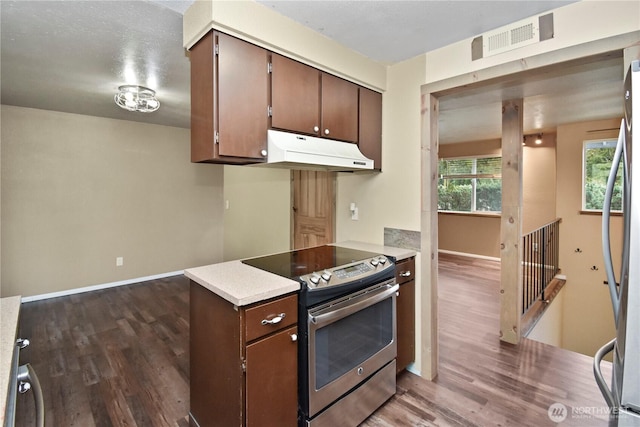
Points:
x=429, y=238
x=511, y=222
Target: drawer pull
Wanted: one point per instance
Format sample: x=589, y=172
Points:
x=294, y=337
x=273, y=321
x=405, y=274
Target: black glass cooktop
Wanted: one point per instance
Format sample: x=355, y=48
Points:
x=305, y=261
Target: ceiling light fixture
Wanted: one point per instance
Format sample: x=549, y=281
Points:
x=539, y=139
x=136, y=98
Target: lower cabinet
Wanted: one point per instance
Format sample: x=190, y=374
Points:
x=405, y=313
x=243, y=361
x=272, y=380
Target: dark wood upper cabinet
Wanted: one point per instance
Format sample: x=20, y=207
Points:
x=370, y=130
x=232, y=93
x=307, y=100
x=295, y=95
x=229, y=100
x=339, y=109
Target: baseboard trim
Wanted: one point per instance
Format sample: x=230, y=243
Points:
x=490, y=258
x=101, y=286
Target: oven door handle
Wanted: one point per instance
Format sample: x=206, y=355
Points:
x=346, y=308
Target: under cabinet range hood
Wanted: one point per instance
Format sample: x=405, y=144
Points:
x=294, y=151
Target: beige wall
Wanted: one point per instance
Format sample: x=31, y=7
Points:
x=539, y=183
x=79, y=191
x=588, y=317
x=257, y=220
x=469, y=234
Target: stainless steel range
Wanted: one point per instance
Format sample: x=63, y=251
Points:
x=347, y=331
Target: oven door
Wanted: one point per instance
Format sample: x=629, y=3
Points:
x=350, y=339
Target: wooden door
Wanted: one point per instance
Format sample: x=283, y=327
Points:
x=295, y=96
x=339, y=109
x=313, y=208
x=243, y=98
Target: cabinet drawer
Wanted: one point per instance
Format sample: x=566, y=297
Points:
x=405, y=270
x=262, y=319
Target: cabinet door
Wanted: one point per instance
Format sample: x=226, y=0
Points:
x=339, y=109
x=370, y=127
x=405, y=324
x=216, y=378
x=202, y=105
x=295, y=96
x=243, y=98
x=272, y=380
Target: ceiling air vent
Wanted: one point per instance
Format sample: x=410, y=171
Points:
x=513, y=36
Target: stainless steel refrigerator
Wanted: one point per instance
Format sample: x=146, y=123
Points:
x=623, y=397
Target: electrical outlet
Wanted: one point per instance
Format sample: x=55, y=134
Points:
x=119, y=261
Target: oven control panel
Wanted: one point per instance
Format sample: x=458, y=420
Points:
x=347, y=273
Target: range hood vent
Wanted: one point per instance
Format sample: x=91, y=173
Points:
x=293, y=151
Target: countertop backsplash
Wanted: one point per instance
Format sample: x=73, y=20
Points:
x=406, y=239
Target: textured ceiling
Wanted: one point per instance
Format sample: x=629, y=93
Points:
x=71, y=56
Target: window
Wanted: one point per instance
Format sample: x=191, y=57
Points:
x=471, y=184
x=597, y=158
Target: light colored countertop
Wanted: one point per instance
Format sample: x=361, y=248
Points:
x=9, y=314
x=241, y=284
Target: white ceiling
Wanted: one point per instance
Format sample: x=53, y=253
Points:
x=71, y=56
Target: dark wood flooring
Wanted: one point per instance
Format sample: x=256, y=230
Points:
x=119, y=357
x=115, y=357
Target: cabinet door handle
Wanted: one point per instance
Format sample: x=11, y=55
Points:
x=316, y=128
x=294, y=337
x=405, y=274
x=263, y=153
x=273, y=321
x=326, y=131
